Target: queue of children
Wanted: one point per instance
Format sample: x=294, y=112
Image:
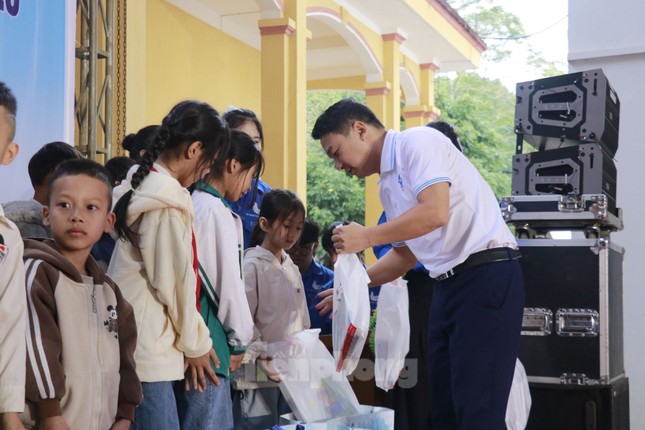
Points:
x=173, y=334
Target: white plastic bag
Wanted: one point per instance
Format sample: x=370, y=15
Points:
x=308, y=381
x=519, y=400
x=351, y=320
x=392, y=333
x=368, y=418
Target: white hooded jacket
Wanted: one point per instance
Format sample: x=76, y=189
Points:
x=158, y=278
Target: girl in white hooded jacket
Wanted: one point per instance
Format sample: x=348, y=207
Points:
x=155, y=262
x=278, y=305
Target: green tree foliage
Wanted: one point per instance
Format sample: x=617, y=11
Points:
x=501, y=30
x=482, y=111
x=332, y=195
x=503, y=33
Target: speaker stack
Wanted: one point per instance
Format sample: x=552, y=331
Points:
x=563, y=208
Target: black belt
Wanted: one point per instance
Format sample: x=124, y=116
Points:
x=486, y=256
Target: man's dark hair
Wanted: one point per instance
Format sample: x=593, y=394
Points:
x=310, y=232
x=448, y=130
x=8, y=101
x=118, y=168
x=325, y=240
x=47, y=158
x=83, y=167
x=339, y=117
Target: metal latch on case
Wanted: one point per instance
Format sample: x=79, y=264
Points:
x=507, y=208
x=577, y=322
x=537, y=322
x=574, y=379
x=570, y=203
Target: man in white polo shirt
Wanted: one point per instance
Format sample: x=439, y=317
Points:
x=442, y=213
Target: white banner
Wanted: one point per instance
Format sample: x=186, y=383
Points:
x=37, y=62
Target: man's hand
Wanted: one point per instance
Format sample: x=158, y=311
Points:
x=54, y=423
x=121, y=424
x=11, y=421
x=236, y=362
x=198, y=368
x=350, y=238
x=326, y=305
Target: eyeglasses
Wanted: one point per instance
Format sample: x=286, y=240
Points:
x=302, y=251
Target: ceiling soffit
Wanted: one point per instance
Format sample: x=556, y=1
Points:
x=338, y=49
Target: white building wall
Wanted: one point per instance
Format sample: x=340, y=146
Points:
x=611, y=35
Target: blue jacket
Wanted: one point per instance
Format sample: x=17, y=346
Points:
x=249, y=209
x=316, y=279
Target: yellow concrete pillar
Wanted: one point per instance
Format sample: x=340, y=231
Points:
x=284, y=84
x=392, y=60
x=428, y=71
x=384, y=98
x=421, y=114
x=416, y=116
x=376, y=98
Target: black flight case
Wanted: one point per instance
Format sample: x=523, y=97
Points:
x=572, y=334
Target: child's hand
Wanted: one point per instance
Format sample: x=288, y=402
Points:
x=54, y=423
x=236, y=362
x=121, y=424
x=200, y=367
x=327, y=303
x=11, y=421
x=267, y=367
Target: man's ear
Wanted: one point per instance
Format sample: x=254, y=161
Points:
x=10, y=153
x=194, y=150
x=361, y=128
x=315, y=248
x=46, y=216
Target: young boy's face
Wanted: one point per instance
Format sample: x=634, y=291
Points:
x=78, y=214
x=8, y=149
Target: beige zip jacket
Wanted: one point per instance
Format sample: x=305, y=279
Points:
x=80, y=343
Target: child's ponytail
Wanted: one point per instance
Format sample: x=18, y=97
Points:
x=147, y=160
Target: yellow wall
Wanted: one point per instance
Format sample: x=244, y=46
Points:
x=186, y=58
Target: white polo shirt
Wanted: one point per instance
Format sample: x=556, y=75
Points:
x=422, y=156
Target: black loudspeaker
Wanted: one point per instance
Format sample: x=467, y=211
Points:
x=568, y=110
x=576, y=407
x=580, y=169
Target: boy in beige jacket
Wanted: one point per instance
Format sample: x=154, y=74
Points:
x=82, y=333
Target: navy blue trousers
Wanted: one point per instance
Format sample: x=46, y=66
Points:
x=473, y=342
